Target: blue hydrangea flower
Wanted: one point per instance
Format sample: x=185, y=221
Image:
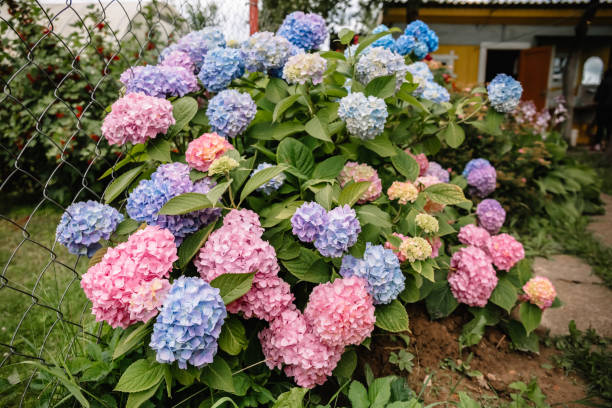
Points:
x=309, y=221
x=159, y=80
x=404, y=44
x=436, y=170
x=220, y=67
x=271, y=185
x=340, y=233
x=422, y=33
x=379, y=62
x=475, y=164
x=230, y=112
x=386, y=41
x=380, y=268
x=197, y=44
x=420, y=50
x=84, y=224
x=504, y=93
x=307, y=31
x=265, y=52
x=421, y=75
x=435, y=92
x=170, y=180
x=188, y=326
x=482, y=181
x=365, y=117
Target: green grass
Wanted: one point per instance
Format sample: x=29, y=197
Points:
x=601, y=163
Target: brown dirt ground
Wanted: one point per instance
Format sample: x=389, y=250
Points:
x=434, y=341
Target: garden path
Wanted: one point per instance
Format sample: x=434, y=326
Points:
x=586, y=300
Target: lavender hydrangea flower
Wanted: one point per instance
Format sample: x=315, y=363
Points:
x=84, y=224
x=230, y=112
x=159, y=81
x=491, y=215
x=197, y=44
x=482, y=181
x=265, y=52
x=309, y=221
x=340, y=233
x=220, y=67
x=271, y=185
x=189, y=324
x=435, y=92
x=365, y=117
x=379, y=62
x=436, y=170
x=381, y=270
x=504, y=93
x=386, y=41
x=178, y=58
x=404, y=44
x=423, y=34
x=306, y=31
x=474, y=164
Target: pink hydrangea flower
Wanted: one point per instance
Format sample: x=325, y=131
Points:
x=472, y=277
x=137, y=118
x=204, y=150
x=505, y=251
x=421, y=159
x=147, y=299
x=476, y=236
x=435, y=243
x=540, y=291
x=148, y=254
x=356, y=172
x=341, y=312
x=425, y=181
x=400, y=256
x=268, y=297
x=244, y=218
x=404, y=192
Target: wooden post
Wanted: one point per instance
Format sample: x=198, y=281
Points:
x=253, y=16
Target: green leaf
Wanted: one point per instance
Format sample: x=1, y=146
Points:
x=185, y=203
x=192, y=244
x=218, y=375
x=308, y=267
x=531, y=315
x=127, y=226
x=520, y=339
x=365, y=42
x=392, y=317
x=137, y=154
x=215, y=193
x=130, y=340
x=296, y=154
x=159, y=149
x=329, y=168
x=504, y=295
x=232, y=285
x=453, y=134
x=95, y=373
x=274, y=131
x=140, y=376
x=440, y=302
x=381, y=87
x=260, y=178
x=381, y=145
x=318, y=130
x=371, y=214
x=276, y=90
x=291, y=399
x=325, y=196
x=406, y=165
x=358, y=395
x=379, y=392
x=121, y=183
x=347, y=365
x=183, y=110
x=283, y=105
x=405, y=95
x=346, y=36
x=444, y=193
x=68, y=383
x=233, y=339
x=351, y=193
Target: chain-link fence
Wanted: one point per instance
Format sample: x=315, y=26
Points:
x=59, y=68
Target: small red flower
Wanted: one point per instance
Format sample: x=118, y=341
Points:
x=100, y=26
x=428, y=57
x=100, y=50
x=31, y=78
x=78, y=58
x=79, y=108
x=116, y=58
x=94, y=137
x=150, y=45
x=59, y=115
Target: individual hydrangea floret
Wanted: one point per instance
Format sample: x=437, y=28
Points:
x=482, y=181
x=436, y=170
x=197, y=44
x=136, y=118
x=421, y=75
x=303, y=68
x=204, y=150
x=415, y=249
x=307, y=31
x=472, y=235
x=220, y=67
x=189, y=324
x=420, y=50
x=436, y=244
x=147, y=299
x=268, y=297
x=356, y=172
x=271, y=185
x=159, y=80
x=427, y=223
x=309, y=221
x=379, y=62
x=230, y=112
x=423, y=34
x=404, y=44
x=222, y=165
x=491, y=215
x=474, y=164
x=380, y=268
x=472, y=277
x=504, y=93
x=404, y=192
x=340, y=233
x=386, y=41
x=421, y=160
x=341, y=312
x=264, y=52
x=540, y=291
x=178, y=58
x=365, y=116
x=435, y=92
x=84, y=224
x=505, y=251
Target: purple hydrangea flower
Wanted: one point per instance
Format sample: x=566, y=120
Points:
x=178, y=59
x=266, y=52
x=271, y=185
x=159, y=81
x=380, y=268
x=84, y=224
x=189, y=324
x=482, y=181
x=340, y=233
x=436, y=170
x=306, y=31
x=475, y=164
x=504, y=93
x=309, y=221
x=230, y=112
x=491, y=215
x=220, y=67
x=197, y=44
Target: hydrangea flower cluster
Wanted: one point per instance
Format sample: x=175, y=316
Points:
x=427, y=223
x=436, y=170
x=271, y=185
x=148, y=254
x=220, y=67
x=404, y=192
x=540, y=291
x=309, y=221
x=422, y=35
x=482, y=181
x=365, y=116
x=84, y=224
x=147, y=299
x=268, y=297
x=379, y=62
x=504, y=93
x=197, y=44
x=386, y=41
x=222, y=165
x=178, y=58
x=230, y=112
x=136, y=118
x=404, y=44
x=475, y=236
x=353, y=171
x=472, y=278
x=421, y=160
x=302, y=68
x=505, y=251
x=307, y=31
x=204, y=150
x=265, y=52
x=380, y=268
x=475, y=164
x=159, y=80
x=415, y=249
x=189, y=324
x=435, y=92
x=340, y=233
x=421, y=75
x=491, y=215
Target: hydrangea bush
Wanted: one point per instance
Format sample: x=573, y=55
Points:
x=288, y=210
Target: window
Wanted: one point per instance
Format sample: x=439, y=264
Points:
x=592, y=71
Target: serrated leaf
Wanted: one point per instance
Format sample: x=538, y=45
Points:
x=295, y=153
x=406, y=165
x=392, y=317
x=192, y=244
x=381, y=145
x=317, y=129
x=232, y=285
x=346, y=35
x=351, y=193
x=358, y=395
x=218, y=375
x=347, y=365
x=308, y=266
x=185, y=203
x=260, y=178
x=283, y=105
x=440, y=301
x=453, y=134
x=329, y=168
x=233, y=339
x=127, y=226
x=137, y=154
x=215, y=193
x=183, y=110
x=371, y=214
x=504, y=295
x=131, y=340
x=444, y=193
x=291, y=399
x=325, y=197
x=381, y=87
x=140, y=376
x=121, y=183
x=159, y=149
x=276, y=90
x=530, y=315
